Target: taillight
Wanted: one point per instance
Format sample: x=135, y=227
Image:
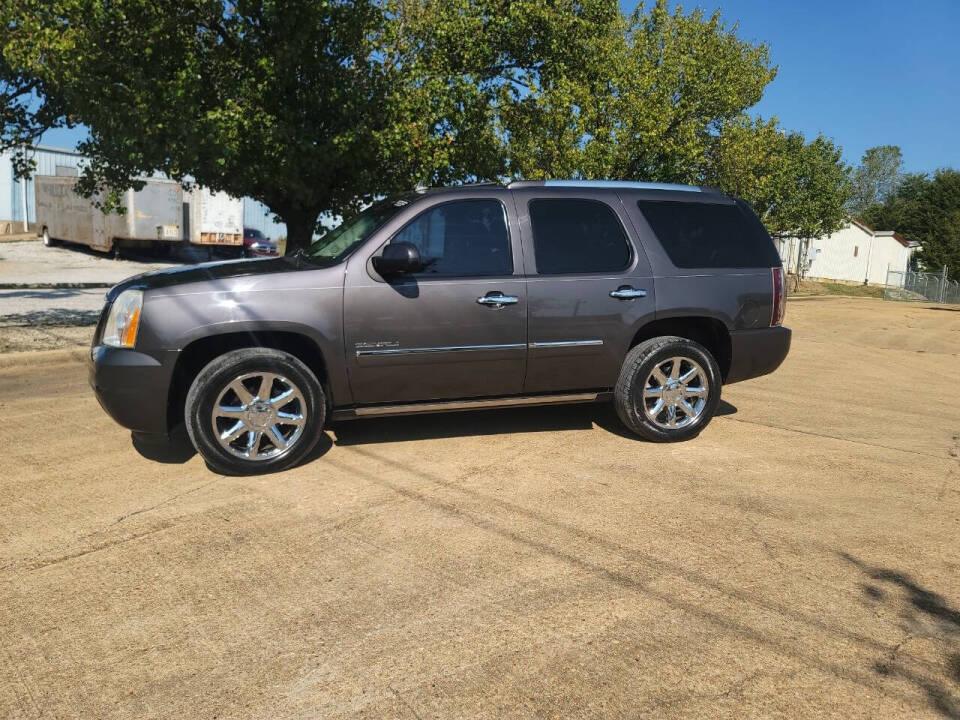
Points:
x=779, y=297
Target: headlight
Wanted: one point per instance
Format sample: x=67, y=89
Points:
x=123, y=321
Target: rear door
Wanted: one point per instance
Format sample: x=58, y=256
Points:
x=458, y=329
x=588, y=286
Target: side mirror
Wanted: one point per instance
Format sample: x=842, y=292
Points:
x=398, y=258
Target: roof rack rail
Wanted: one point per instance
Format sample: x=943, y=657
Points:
x=626, y=184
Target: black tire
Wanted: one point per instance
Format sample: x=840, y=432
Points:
x=47, y=240
x=214, y=380
x=638, y=368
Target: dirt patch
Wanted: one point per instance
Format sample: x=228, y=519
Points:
x=19, y=338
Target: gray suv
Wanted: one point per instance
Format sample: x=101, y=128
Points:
x=534, y=293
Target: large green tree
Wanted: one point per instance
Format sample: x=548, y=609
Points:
x=875, y=179
x=926, y=209
x=27, y=107
x=318, y=107
x=798, y=188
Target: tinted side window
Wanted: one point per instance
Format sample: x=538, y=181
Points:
x=577, y=236
x=461, y=239
x=706, y=235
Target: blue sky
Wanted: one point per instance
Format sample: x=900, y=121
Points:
x=863, y=73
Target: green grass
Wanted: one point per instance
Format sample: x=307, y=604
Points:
x=853, y=290
x=817, y=287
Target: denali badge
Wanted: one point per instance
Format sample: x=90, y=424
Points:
x=376, y=345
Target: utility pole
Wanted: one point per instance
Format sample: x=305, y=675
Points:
x=23, y=197
x=943, y=283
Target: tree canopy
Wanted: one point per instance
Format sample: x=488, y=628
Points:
x=28, y=107
x=875, y=179
x=796, y=187
x=319, y=107
x=926, y=209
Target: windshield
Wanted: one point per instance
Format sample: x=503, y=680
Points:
x=341, y=241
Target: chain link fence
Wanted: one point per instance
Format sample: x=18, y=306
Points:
x=922, y=287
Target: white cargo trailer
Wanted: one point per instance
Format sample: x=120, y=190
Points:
x=152, y=214
x=159, y=213
x=215, y=218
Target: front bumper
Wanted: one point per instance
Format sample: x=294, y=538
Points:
x=757, y=352
x=132, y=387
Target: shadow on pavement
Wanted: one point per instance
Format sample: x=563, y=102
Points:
x=487, y=422
x=173, y=450
x=52, y=317
x=924, y=614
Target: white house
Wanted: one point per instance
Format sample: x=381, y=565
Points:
x=855, y=253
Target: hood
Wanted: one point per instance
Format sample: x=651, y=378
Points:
x=206, y=271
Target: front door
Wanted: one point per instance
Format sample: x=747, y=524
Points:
x=589, y=286
x=458, y=329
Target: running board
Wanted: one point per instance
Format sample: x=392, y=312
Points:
x=458, y=405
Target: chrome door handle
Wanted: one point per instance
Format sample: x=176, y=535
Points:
x=498, y=300
x=627, y=293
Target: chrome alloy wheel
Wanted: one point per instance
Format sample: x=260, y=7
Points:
x=259, y=416
x=675, y=393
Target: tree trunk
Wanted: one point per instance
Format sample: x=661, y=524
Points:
x=300, y=227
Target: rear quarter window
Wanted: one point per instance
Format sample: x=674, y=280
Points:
x=577, y=236
x=710, y=235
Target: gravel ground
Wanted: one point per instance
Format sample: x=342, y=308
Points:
x=798, y=559
x=32, y=263
x=42, y=318
x=45, y=319
x=67, y=306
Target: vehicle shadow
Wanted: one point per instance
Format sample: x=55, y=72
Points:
x=176, y=449
x=173, y=450
x=924, y=614
x=370, y=431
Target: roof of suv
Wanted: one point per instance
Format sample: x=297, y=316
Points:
x=577, y=185
x=606, y=184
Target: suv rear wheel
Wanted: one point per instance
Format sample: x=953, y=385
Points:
x=668, y=390
x=254, y=410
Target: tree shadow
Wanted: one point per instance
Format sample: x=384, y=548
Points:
x=43, y=293
x=52, y=317
x=924, y=613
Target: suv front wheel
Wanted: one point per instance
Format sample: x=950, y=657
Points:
x=668, y=389
x=254, y=410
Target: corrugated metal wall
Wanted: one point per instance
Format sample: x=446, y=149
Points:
x=257, y=216
x=50, y=161
x=56, y=161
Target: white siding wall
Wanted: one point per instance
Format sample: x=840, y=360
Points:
x=847, y=255
x=841, y=256
x=887, y=253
